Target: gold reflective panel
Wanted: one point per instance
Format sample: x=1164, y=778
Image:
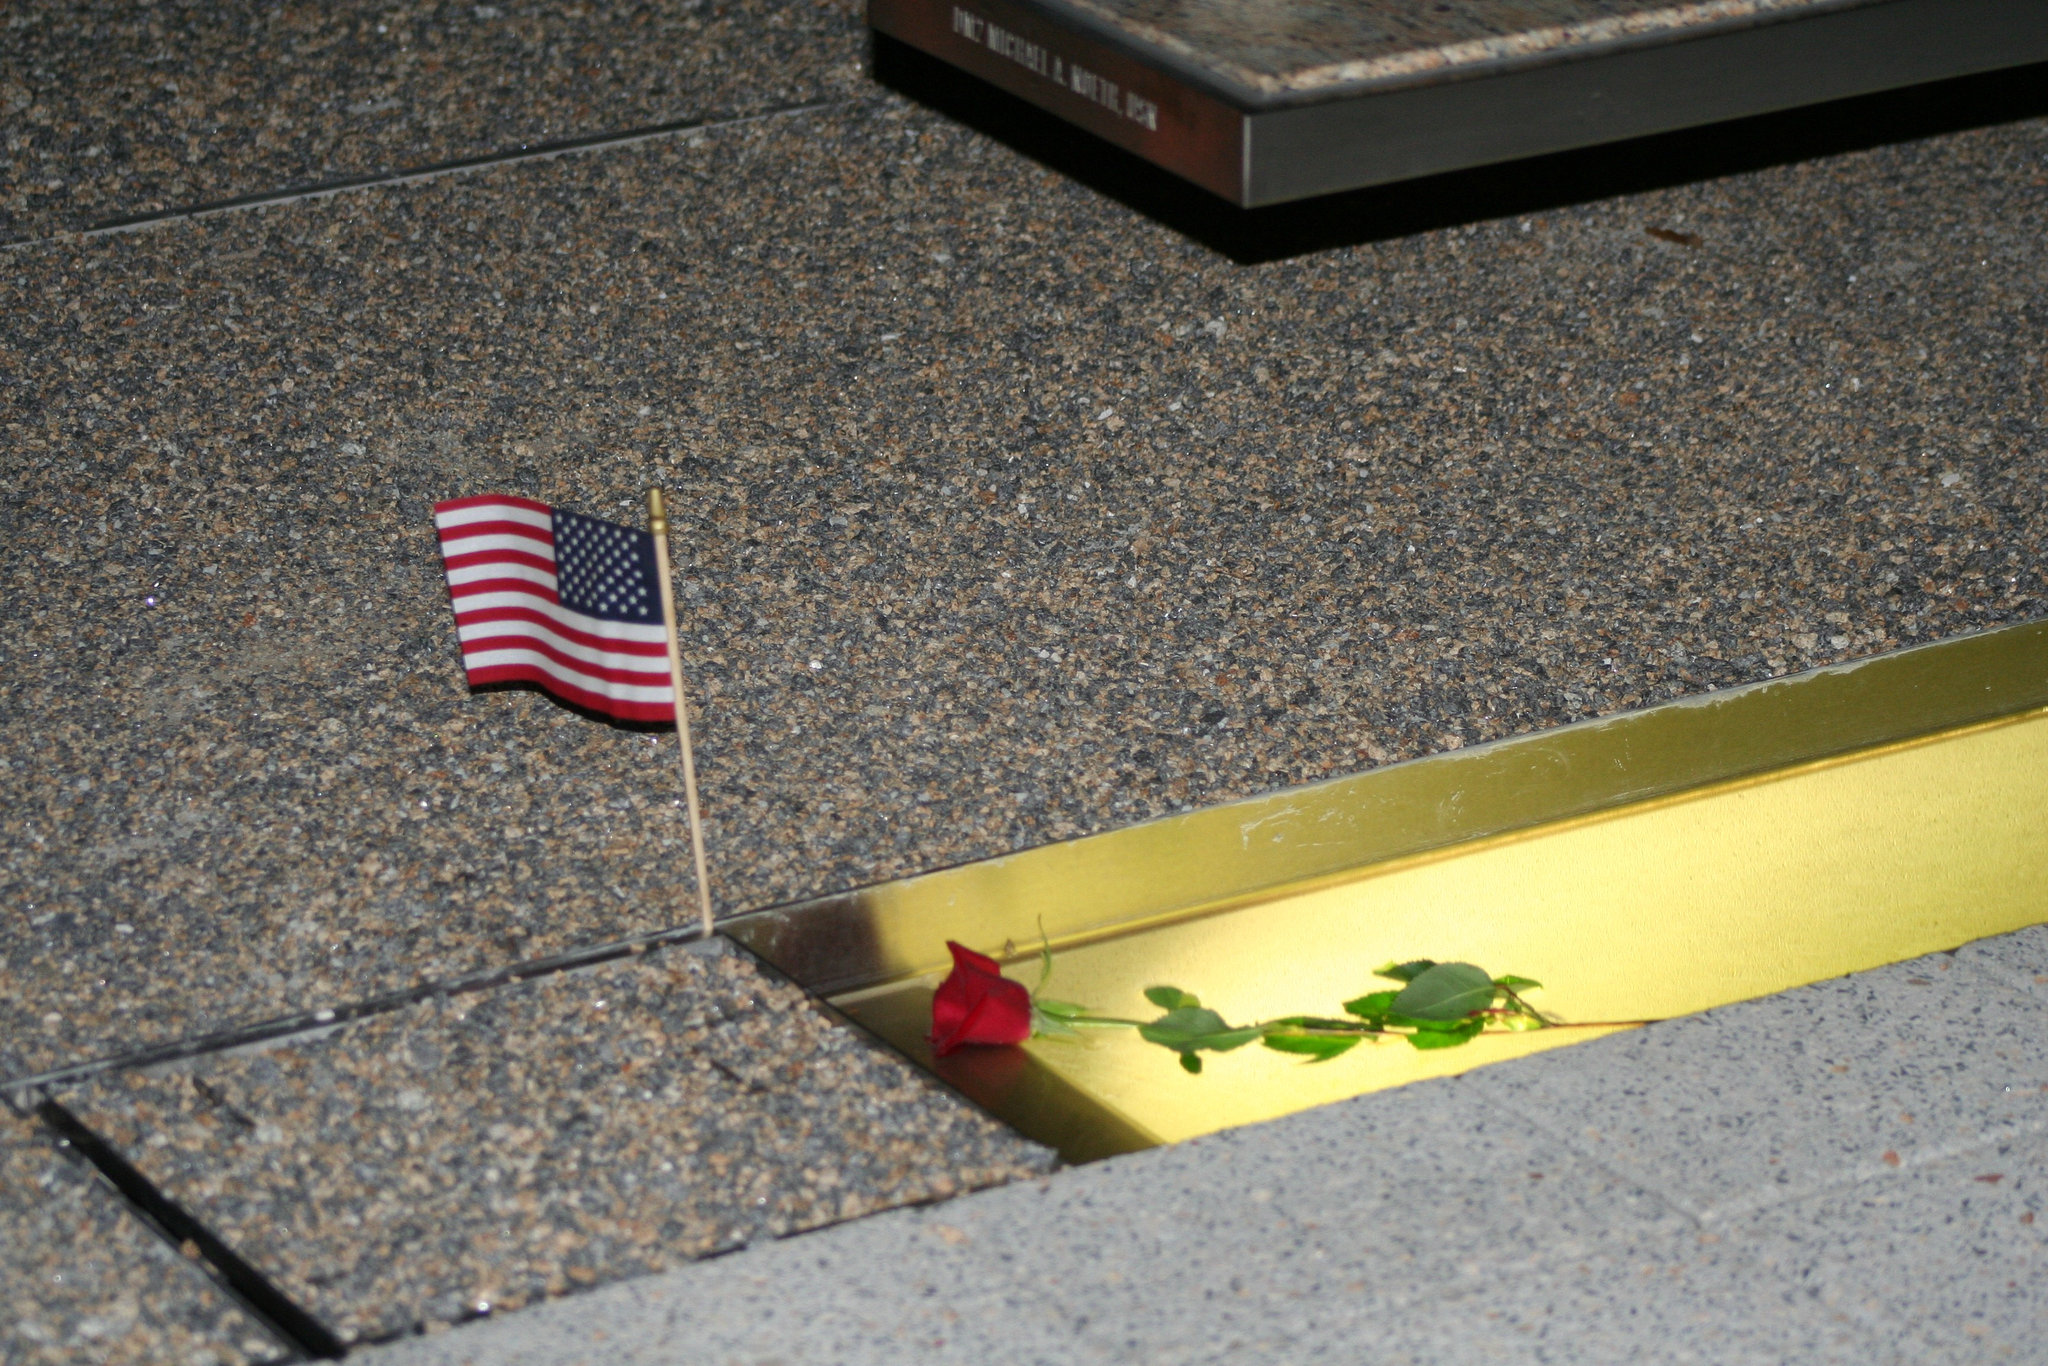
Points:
x=1643, y=866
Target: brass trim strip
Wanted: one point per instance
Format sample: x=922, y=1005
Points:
x=1204, y=861
x=1661, y=907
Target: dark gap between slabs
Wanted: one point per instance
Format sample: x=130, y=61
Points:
x=251, y=1289
x=319, y=189
x=320, y=1021
x=291, y=1324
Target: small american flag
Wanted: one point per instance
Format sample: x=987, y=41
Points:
x=552, y=597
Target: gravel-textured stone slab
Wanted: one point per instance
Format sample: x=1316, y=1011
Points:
x=114, y=109
x=478, y=1152
x=82, y=1281
x=1775, y=1099
x=1003, y=516
x=1305, y=46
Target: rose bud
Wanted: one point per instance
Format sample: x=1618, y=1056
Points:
x=977, y=1004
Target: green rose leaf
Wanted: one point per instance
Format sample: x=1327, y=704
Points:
x=1372, y=1007
x=1313, y=1022
x=1182, y=1023
x=1318, y=1047
x=1447, y=1038
x=1189, y=1028
x=1235, y=1038
x=1446, y=991
x=1171, y=998
x=1426, y=1026
x=1438, y=1005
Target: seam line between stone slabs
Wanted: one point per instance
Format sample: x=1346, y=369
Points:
x=596, y=142
x=691, y=938
x=302, y=1334
x=1733, y=1212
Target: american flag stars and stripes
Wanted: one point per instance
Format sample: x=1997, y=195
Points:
x=547, y=596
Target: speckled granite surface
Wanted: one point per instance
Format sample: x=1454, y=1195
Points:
x=477, y=1152
x=115, y=108
x=81, y=1281
x=1005, y=516
x=1288, y=46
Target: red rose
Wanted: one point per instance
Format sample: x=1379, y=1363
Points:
x=977, y=1004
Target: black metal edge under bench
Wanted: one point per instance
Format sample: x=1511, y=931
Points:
x=1273, y=141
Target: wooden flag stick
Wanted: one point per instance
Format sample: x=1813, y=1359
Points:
x=657, y=522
